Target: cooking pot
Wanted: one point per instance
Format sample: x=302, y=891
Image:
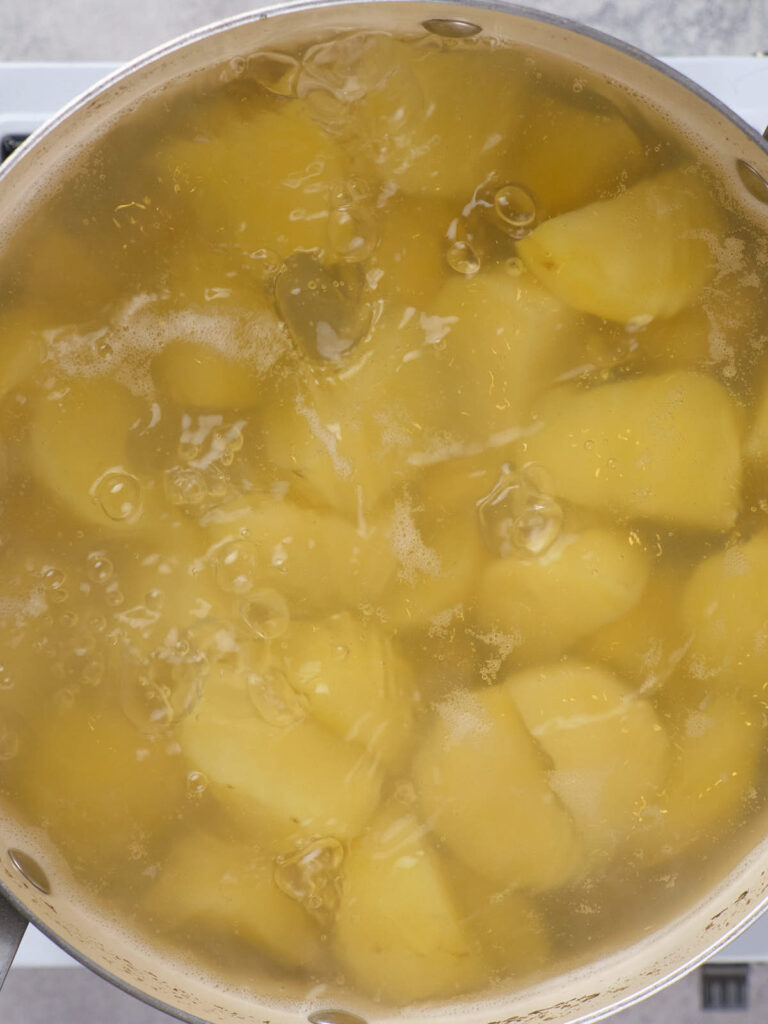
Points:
x=28, y=873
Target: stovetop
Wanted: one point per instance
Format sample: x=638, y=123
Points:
x=31, y=92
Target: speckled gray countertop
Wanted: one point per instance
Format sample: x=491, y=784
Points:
x=115, y=30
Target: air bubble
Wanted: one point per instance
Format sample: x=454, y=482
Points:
x=352, y=235
x=99, y=567
x=274, y=698
x=119, y=495
x=185, y=486
x=197, y=783
x=93, y=672
x=517, y=517
x=159, y=691
x=266, y=614
x=236, y=566
x=462, y=258
x=516, y=209
x=276, y=72
x=54, y=579
x=187, y=451
x=323, y=307
x=312, y=876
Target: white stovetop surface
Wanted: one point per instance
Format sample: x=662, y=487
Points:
x=32, y=92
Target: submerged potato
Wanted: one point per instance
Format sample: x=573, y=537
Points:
x=608, y=750
x=317, y=559
x=548, y=603
x=717, y=751
x=570, y=155
x=725, y=611
x=665, y=447
x=262, y=180
x=355, y=682
x=79, y=449
x=223, y=887
x=284, y=770
x=77, y=762
x=483, y=788
x=408, y=263
x=645, y=253
x=399, y=933
x=410, y=121
x=506, y=339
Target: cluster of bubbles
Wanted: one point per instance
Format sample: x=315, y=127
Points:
x=312, y=876
x=496, y=217
x=518, y=518
x=206, y=449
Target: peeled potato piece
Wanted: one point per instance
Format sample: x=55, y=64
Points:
x=262, y=181
x=21, y=349
x=399, y=934
x=224, y=887
x=483, y=788
x=757, y=445
x=97, y=785
x=408, y=263
x=316, y=559
x=663, y=447
x=608, y=750
x=646, y=253
x=725, y=611
x=646, y=644
x=293, y=773
x=548, y=603
x=410, y=121
x=355, y=682
x=194, y=374
x=717, y=751
x=506, y=339
x=569, y=155
x=78, y=448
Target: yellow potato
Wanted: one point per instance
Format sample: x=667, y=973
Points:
x=717, y=751
x=647, y=643
x=408, y=264
x=665, y=447
x=79, y=448
x=483, y=787
x=608, y=750
x=724, y=612
x=646, y=253
x=98, y=786
x=290, y=772
x=399, y=934
x=318, y=560
x=226, y=888
x=192, y=373
x=21, y=349
x=509, y=929
x=262, y=180
x=409, y=122
x=356, y=683
x=568, y=155
x=548, y=603
x=506, y=339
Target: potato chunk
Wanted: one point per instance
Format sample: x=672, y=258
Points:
x=711, y=783
x=646, y=253
x=725, y=610
x=569, y=155
x=398, y=932
x=506, y=339
x=262, y=181
x=408, y=264
x=316, y=559
x=293, y=775
x=355, y=682
x=608, y=749
x=548, y=603
x=80, y=759
x=409, y=122
x=226, y=888
x=192, y=373
x=483, y=788
x=662, y=447
x=79, y=449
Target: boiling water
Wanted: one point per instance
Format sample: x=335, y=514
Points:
x=383, y=525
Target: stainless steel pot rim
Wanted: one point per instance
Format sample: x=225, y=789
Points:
x=273, y=10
